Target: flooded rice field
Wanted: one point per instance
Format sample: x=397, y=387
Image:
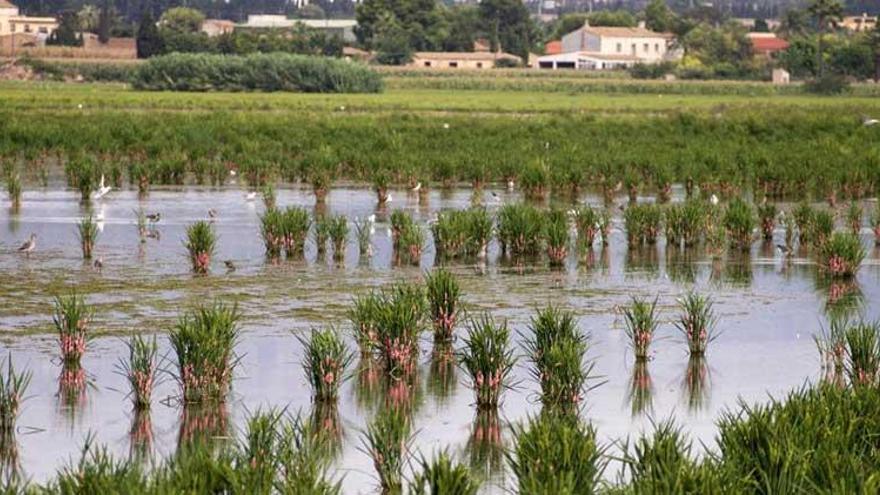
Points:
x=768, y=307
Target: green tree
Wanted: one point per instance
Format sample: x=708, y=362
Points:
x=311, y=11
x=88, y=18
x=612, y=18
x=874, y=43
x=761, y=26
x=508, y=25
x=392, y=43
x=568, y=23
x=420, y=20
x=67, y=33
x=105, y=22
x=659, y=17
x=800, y=57
x=148, y=40
x=182, y=19
x=795, y=22
x=463, y=26
x=826, y=13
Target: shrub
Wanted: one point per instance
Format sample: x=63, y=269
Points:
x=651, y=71
x=257, y=72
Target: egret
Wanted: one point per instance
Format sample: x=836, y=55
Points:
x=417, y=187
x=714, y=200
x=510, y=185
x=388, y=199
x=29, y=245
x=868, y=121
x=102, y=189
x=251, y=196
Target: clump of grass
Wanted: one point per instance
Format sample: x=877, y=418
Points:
x=97, y=471
x=739, y=221
x=642, y=223
x=407, y=237
x=322, y=233
x=823, y=227
x=556, y=350
x=534, y=180
x=832, y=345
x=72, y=319
x=875, y=223
x=854, y=217
x=387, y=441
x=767, y=217
x=696, y=322
x=364, y=317
x=556, y=454
x=444, y=303
x=587, y=222
x=285, y=231
x=488, y=360
x=337, y=229
x=520, y=229
x=269, y=195
x=88, y=235
x=443, y=476
x=364, y=230
x=399, y=321
x=790, y=224
x=200, y=242
x=641, y=324
x=13, y=189
x=325, y=362
x=841, y=255
x=803, y=217
x=863, y=353
x=605, y=227
x=13, y=385
x=684, y=223
x=462, y=233
x=301, y=460
x=204, y=343
x=81, y=175
x=140, y=370
x=556, y=236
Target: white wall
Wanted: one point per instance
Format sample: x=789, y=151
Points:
x=650, y=49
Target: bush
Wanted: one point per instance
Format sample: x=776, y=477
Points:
x=259, y=72
x=651, y=71
x=829, y=84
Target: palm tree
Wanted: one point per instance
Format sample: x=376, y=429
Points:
x=827, y=13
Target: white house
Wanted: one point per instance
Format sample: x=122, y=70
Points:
x=597, y=48
x=11, y=22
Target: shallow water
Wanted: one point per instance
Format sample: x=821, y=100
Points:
x=768, y=311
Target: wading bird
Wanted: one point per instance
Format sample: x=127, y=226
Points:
x=786, y=250
x=229, y=265
x=154, y=217
x=99, y=263
x=102, y=189
x=714, y=200
x=29, y=245
x=212, y=213
x=417, y=187
x=495, y=197
x=868, y=121
x=251, y=196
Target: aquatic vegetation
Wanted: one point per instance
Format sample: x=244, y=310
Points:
x=739, y=221
x=485, y=446
x=696, y=382
x=854, y=217
x=399, y=321
x=322, y=233
x=641, y=322
x=203, y=342
x=831, y=344
x=462, y=233
x=98, y=471
x=387, y=441
x=556, y=351
x=87, y=230
x=862, y=353
x=140, y=369
x=520, y=228
x=684, y=222
x=875, y=223
x=804, y=216
x=13, y=386
x=823, y=227
x=641, y=388
x=534, y=180
x=442, y=379
x=556, y=236
x=488, y=360
x=407, y=237
x=364, y=231
x=696, y=322
x=605, y=227
x=444, y=303
x=587, y=222
x=80, y=171
x=325, y=360
x=13, y=189
x=72, y=319
x=443, y=476
x=285, y=231
x=790, y=224
x=269, y=196
x=364, y=317
x=577, y=460
x=767, y=218
x=200, y=242
x=337, y=229
x=841, y=255
x=642, y=223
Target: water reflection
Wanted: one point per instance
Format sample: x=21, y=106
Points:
x=738, y=269
x=641, y=389
x=843, y=298
x=441, y=374
x=141, y=436
x=72, y=385
x=643, y=260
x=485, y=446
x=203, y=423
x=327, y=426
x=10, y=463
x=681, y=264
x=697, y=384
x=368, y=389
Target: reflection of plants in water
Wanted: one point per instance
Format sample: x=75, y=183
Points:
x=443, y=475
x=10, y=463
x=641, y=389
x=643, y=260
x=369, y=382
x=387, y=441
x=485, y=446
x=696, y=383
x=327, y=426
x=441, y=374
x=488, y=360
x=843, y=298
x=204, y=422
x=72, y=387
x=141, y=436
x=738, y=269
x=680, y=265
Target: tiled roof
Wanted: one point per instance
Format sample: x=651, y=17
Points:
x=553, y=47
x=768, y=44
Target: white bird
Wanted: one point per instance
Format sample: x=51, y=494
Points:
x=372, y=218
x=342, y=108
x=232, y=173
x=388, y=199
x=714, y=200
x=29, y=245
x=99, y=217
x=510, y=185
x=446, y=126
x=868, y=121
x=251, y=196
x=80, y=106
x=417, y=187
x=102, y=189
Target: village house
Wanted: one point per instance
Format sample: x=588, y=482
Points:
x=11, y=22
x=461, y=60
x=765, y=45
x=217, y=27
x=600, y=48
x=859, y=23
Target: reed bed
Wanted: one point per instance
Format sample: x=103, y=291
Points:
x=201, y=241
x=203, y=342
x=325, y=363
x=488, y=360
x=87, y=230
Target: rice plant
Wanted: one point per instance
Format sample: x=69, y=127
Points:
x=790, y=224
x=364, y=317
x=605, y=227
x=269, y=196
x=842, y=255
x=13, y=189
x=462, y=233
x=767, y=217
x=556, y=351
x=387, y=441
x=556, y=454
x=520, y=229
x=587, y=222
x=97, y=471
x=642, y=223
x=81, y=174
x=823, y=227
x=285, y=231
x=534, y=180
x=444, y=303
x=831, y=344
x=203, y=341
x=322, y=233
x=488, y=360
x=854, y=217
x=325, y=361
x=399, y=321
x=641, y=322
x=862, y=355
x=87, y=230
x=72, y=319
x=338, y=232
x=411, y=242
x=875, y=223
x=13, y=386
x=556, y=236
x=803, y=216
x=443, y=476
x=696, y=322
x=739, y=221
x=302, y=461
x=140, y=369
x=364, y=231
x=200, y=242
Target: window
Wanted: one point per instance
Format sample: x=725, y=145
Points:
x=657, y=47
x=453, y=65
x=646, y=47
x=27, y=28
x=633, y=48
x=479, y=65
x=43, y=30
x=619, y=47
x=427, y=63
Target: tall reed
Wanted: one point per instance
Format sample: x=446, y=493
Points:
x=325, y=361
x=201, y=243
x=87, y=230
x=444, y=303
x=696, y=322
x=72, y=319
x=203, y=341
x=488, y=360
x=641, y=322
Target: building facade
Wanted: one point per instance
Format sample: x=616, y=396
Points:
x=11, y=22
x=602, y=48
x=460, y=60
